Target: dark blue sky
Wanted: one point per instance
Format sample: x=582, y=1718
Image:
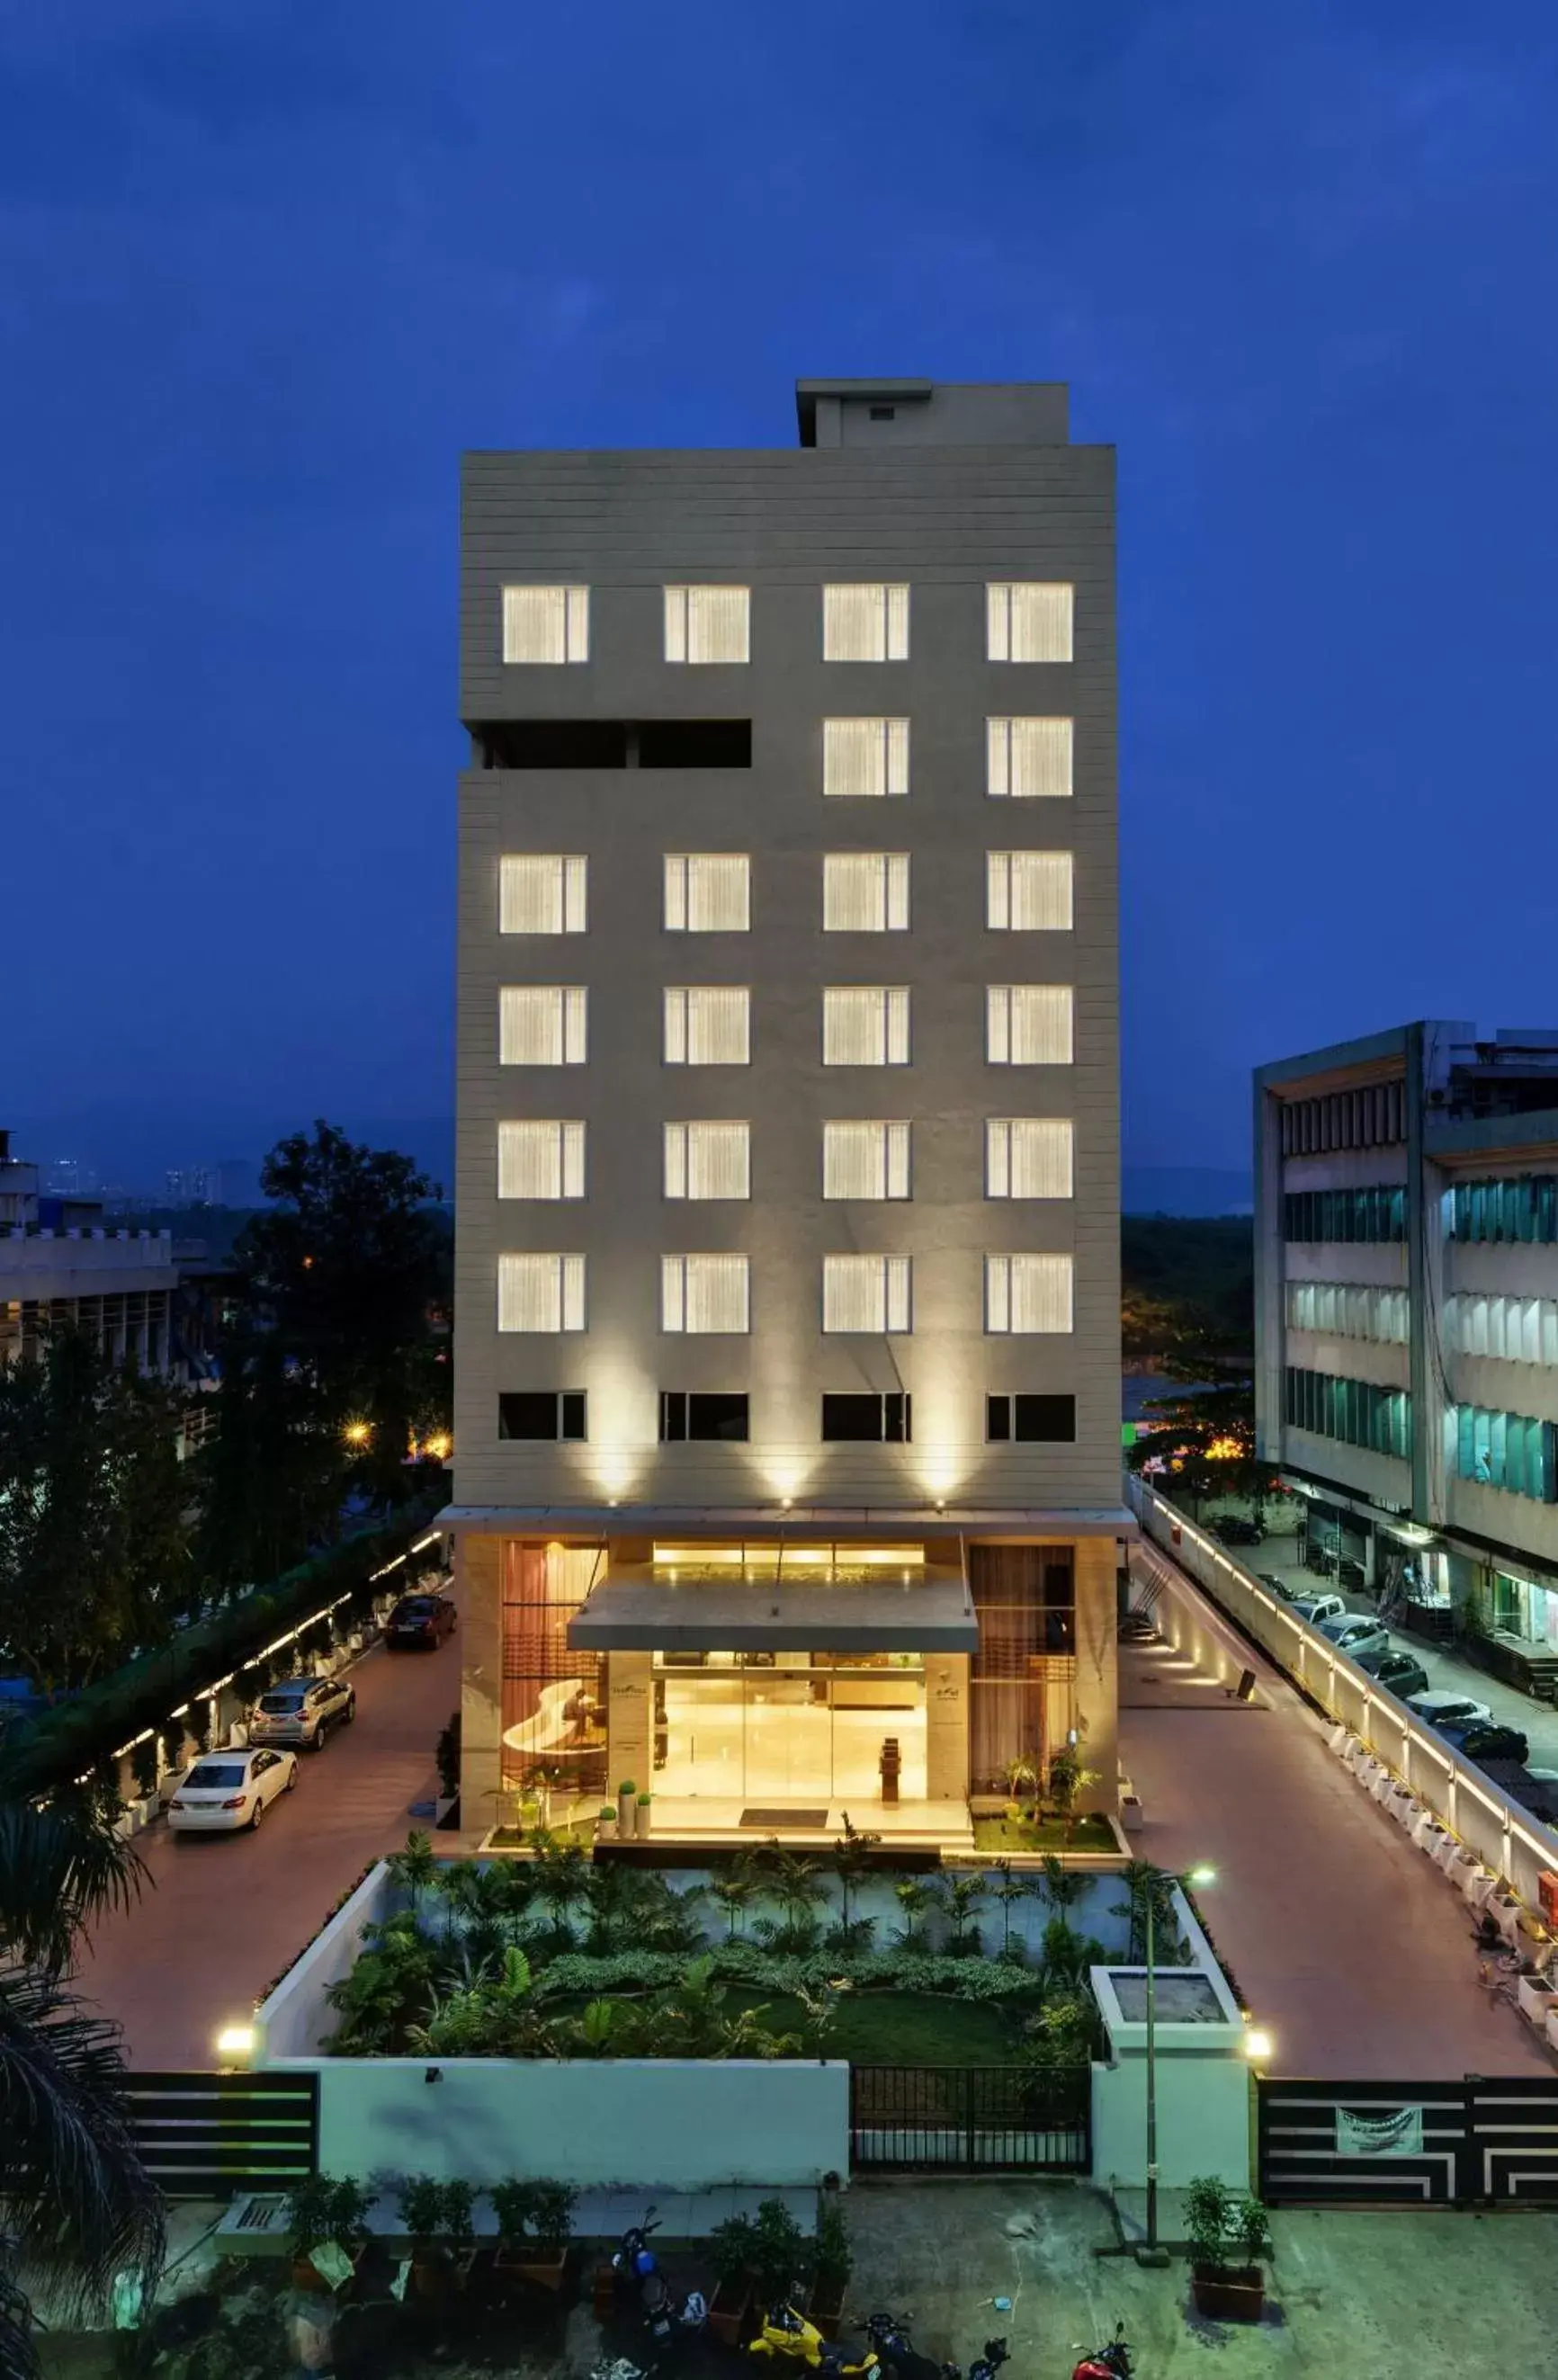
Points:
x=264, y=271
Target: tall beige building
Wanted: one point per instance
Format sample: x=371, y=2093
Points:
x=787, y=1305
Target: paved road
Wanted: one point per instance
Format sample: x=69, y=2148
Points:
x=223, y=1916
x=1351, y=1949
x=1538, y=1721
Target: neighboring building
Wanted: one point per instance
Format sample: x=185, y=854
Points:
x=60, y=1266
x=1406, y=1314
x=787, y=1272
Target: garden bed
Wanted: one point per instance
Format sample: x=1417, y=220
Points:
x=1092, y=1833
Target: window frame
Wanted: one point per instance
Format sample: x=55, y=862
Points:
x=895, y=1292
x=897, y=1008
x=890, y=760
x=574, y=623
x=1001, y=1291
x=573, y=1020
x=680, y=615
x=561, y=1436
x=1001, y=620
x=891, y=893
x=679, y=880
x=570, y=1153
x=573, y=892
x=675, y=1299
x=893, y=615
x=687, y=1126
x=572, y=1291
x=685, y=993
x=892, y=1157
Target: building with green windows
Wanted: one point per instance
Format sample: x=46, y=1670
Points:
x=1406, y=1317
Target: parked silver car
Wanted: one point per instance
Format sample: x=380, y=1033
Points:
x=1355, y=1631
x=302, y=1712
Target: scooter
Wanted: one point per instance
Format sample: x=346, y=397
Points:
x=889, y=2333
x=984, y=2366
x=633, y=2258
x=666, y=2321
x=1110, y=2362
x=787, y=2336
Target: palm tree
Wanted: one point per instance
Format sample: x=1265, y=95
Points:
x=736, y=1894
x=560, y=1882
x=414, y=1870
x=916, y=1897
x=78, y=2209
x=1061, y=1886
x=1146, y=1883
x=1009, y=1889
x=962, y=1896
x=853, y=1862
x=794, y=1881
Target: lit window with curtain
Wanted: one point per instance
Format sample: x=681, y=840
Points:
x=708, y=893
x=865, y=1024
x=541, y=1159
x=1027, y=1295
x=542, y=1025
x=708, y=1024
x=868, y=1160
x=708, y=623
x=1029, y=759
x=545, y=624
x=706, y=1294
x=866, y=1293
x=543, y=1588
x=865, y=759
x=1028, y=620
x=1028, y=1156
x=1028, y=891
x=869, y=622
x=541, y=1294
x=1029, y=1025
x=865, y=892
x=708, y=1160
x=542, y=893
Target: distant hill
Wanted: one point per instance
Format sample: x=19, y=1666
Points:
x=1186, y=1190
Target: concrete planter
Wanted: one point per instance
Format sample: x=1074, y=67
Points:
x=1234, y=2294
x=1551, y=2028
x=1536, y=1997
x=1133, y=1818
x=1339, y=1738
x=1447, y=1852
x=1477, y=1884
x=1506, y=1909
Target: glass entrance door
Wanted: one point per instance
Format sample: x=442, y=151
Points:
x=787, y=1727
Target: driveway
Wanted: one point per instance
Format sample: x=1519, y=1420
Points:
x=1350, y=1949
x=222, y=1917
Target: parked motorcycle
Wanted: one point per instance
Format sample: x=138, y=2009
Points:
x=1110, y=2362
x=786, y=2337
x=900, y=2360
x=984, y=2366
x=633, y=2258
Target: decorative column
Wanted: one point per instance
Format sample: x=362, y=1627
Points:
x=479, y=1579
x=629, y=1721
x=1097, y=1664
x=947, y=1727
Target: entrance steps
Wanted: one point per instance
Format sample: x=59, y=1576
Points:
x=910, y=1826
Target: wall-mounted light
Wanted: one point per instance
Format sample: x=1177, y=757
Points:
x=1257, y=2045
x=235, y=2043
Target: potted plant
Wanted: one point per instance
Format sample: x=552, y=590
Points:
x=732, y=2247
x=1228, y=2239
x=460, y=2225
x=535, y=2219
x=329, y=2231
x=642, y=1813
x=778, y=2254
x=420, y=2203
x=606, y=1823
x=626, y=1804
x=831, y=2264
x=143, y=1769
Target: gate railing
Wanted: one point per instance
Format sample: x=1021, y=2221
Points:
x=206, y=2135
x=1485, y=2140
x=970, y=2118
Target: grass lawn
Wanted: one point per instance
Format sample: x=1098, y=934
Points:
x=1087, y=1834
x=900, y=2028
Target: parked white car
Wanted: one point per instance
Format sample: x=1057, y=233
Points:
x=1355, y=1631
x=225, y=1790
x=1316, y=1608
x=1445, y=1709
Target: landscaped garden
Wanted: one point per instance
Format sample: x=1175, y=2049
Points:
x=780, y=1954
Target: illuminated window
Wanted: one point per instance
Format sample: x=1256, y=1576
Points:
x=708, y=1160
x=541, y=1160
x=1027, y=891
x=866, y=1293
x=708, y=623
x=1029, y=759
x=1028, y=1156
x=542, y=1025
x=865, y=758
x=708, y=1024
x=866, y=893
x=867, y=623
x=865, y=1161
x=1028, y=621
x=1026, y=1294
x=708, y=893
x=1029, y=1025
x=542, y=893
x=706, y=1294
x=541, y=1294
x=866, y=1024
x=545, y=623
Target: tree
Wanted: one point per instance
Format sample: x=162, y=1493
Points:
x=1069, y=1777
x=347, y=1264
x=272, y=1473
x=1009, y=1889
x=78, y=2209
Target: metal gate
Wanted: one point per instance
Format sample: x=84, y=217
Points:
x=970, y=2118
x=204, y=2135
x=1487, y=2139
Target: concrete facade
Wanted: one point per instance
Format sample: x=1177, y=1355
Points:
x=1455, y=1319
x=943, y=492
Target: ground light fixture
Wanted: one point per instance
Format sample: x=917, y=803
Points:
x=1201, y=1875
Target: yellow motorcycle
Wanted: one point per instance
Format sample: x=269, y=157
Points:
x=786, y=2337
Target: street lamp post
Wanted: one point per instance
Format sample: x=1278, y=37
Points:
x=1200, y=1875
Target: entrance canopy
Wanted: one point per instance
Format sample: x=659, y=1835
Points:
x=638, y=1609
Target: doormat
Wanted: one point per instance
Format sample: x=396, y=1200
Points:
x=771, y=1820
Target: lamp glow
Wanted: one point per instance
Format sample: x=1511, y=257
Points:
x=1257, y=2045
x=235, y=2041
x=1198, y=1876
x=356, y=1433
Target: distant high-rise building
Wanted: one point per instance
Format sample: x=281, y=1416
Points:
x=189, y=1185
x=787, y=1445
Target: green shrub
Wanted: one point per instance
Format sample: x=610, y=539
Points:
x=732, y=2245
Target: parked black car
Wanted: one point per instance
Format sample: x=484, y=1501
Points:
x=1487, y=1742
x=418, y=1620
x=1234, y=1530
x=1401, y=1673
